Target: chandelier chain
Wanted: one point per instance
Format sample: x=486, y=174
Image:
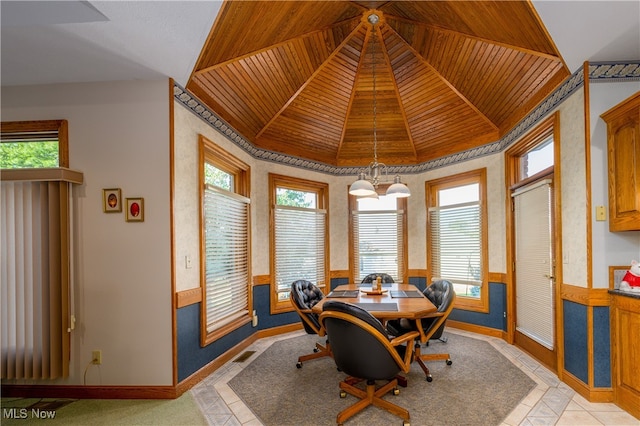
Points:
x=375, y=136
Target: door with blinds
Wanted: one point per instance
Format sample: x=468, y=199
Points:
x=534, y=270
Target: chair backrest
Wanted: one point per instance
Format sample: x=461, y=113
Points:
x=385, y=278
x=304, y=295
x=359, y=342
x=442, y=295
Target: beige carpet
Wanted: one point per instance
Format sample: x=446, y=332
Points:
x=96, y=412
x=481, y=387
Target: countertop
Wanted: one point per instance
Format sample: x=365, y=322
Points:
x=632, y=294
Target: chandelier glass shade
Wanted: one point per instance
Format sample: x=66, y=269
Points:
x=375, y=173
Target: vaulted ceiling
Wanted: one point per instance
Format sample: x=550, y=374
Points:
x=312, y=79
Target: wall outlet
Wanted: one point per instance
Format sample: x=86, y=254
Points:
x=96, y=357
x=254, y=321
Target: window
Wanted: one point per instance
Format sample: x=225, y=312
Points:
x=533, y=156
x=36, y=230
x=225, y=243
x=299, y=236
x=536, y=159
x=378, y=236
x=457, y=236
x=34, y=144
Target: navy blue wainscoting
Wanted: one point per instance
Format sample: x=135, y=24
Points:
x=420, y=282
x=575, y=340
x=495, y=318
x=262, y=306
x=601, y=347
x=191, y=356
x=335, y=282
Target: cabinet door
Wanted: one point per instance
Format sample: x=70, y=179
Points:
x=624, y=169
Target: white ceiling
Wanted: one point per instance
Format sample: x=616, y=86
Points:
x=46, y=42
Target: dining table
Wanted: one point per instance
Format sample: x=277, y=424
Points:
x=391, y=301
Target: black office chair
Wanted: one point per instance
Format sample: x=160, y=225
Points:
x=362, y=349
x=442, y=295
x=303, y=296
x=385, y=278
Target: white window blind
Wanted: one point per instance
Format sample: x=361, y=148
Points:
x=300, y=247
x=455, y=234
x=35, y=273
x=226, y=256
x=534, y=266
x=378, y=243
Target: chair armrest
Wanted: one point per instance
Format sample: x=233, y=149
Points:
x=409, y=338
x=423, y=337
x=406, y=337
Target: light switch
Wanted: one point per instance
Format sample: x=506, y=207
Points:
x=187, y=262
x=601, y=213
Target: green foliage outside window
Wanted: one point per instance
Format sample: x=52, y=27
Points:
x=290, y=197
x=216, y=177
x=24, y=155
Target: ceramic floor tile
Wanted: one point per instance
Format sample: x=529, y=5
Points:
x=582, y=418
x=517, y=415
x=615, y=418
x=541, y=409
x=242, y=412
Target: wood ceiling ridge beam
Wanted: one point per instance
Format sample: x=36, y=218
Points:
x=474, y=37
x=273, y=46
x=343, y=132
x=403, y=112
x=524, y=50
x=310, y=79
x=445, y=81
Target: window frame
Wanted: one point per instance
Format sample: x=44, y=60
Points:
x=432, y=187
x=321, y=190
x=210, y=153
x=59, y=127
x=513, y=155
x=401, y=205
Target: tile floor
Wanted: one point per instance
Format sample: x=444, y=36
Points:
x=551, y=403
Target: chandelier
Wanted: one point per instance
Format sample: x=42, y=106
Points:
x=375, y=173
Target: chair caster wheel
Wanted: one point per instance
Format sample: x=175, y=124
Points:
x=396, y=391
x=316, y=350
x=449, y=362
x=343, y=394
x=406, y=423
x=299, y=364
x=429, y=378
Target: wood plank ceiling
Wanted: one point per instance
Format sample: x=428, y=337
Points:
x=297, y=77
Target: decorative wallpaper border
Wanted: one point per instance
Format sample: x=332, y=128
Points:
x=598, y=72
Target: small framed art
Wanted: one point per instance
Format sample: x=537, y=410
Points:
x=111, y=200
x=135, y=209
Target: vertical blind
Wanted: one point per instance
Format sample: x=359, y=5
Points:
x=378, y=243
x=226, y=230
x=534, y=263
x=35, y=276
x=300, y=247
x=456, y=252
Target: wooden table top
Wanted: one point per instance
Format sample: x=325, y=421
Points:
x=388, y=305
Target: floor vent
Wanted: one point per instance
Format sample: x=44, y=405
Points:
x=244, y=356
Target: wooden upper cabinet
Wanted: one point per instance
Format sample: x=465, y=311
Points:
x=623, y=141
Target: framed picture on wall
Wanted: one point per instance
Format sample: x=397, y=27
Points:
x=111, y=200
x=135, y=209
